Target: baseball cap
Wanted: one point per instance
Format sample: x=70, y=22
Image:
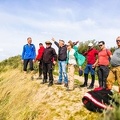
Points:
x=90, y=44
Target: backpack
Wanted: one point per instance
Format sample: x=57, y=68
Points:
x=97, y=100
x=109, y=58
x=79, y=57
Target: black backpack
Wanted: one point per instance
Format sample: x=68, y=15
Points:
x=97, y=100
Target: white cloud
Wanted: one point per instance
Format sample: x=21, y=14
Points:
x=64, y=11
x=65, y=23
x=1, y=49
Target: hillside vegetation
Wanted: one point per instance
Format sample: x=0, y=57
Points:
x=23, y=99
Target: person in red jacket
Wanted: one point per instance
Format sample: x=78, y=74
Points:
x=91, y=58
x=39, y=58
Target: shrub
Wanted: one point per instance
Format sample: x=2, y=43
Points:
x=113, y=114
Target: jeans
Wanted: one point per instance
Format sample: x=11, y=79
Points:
x=62, y=71
x=88, y=69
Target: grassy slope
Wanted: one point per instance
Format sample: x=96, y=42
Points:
x=23, y=99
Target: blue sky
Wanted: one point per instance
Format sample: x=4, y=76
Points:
x=62, y=19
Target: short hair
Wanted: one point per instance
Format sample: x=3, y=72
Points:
x=117, y=37
x=101, y=42
x=62, y=40
x=29, y=38
x=40, y=44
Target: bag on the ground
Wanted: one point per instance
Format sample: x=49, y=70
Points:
x=97, y=101
x=80, y=72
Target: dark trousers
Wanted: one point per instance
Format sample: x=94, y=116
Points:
x=25, y=64
x=102, y=72
x=47, y=68
x=40, y=68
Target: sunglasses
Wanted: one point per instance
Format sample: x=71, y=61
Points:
x=100, y=45
x=117, y=40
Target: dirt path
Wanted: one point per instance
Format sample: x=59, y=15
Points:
x=81, y=79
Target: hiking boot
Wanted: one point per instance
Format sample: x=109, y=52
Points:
x=66, y=85
x=40, y=77
x=44, y=81
x=50, y=84
x=69, y=89
x=90, y=87
x=58, y=83
x=84, y=85
x=32, y=78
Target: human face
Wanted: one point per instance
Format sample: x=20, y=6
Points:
x=101, y=45
x=48, y=45
x=90, y=47
x=68, y=46
x=118, y=42
x=29, y=41
x=40, y=46
x=61, y=43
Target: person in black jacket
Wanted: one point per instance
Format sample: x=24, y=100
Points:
x=62, y=57
x=48, y=56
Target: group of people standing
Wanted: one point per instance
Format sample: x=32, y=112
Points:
x=99, y=59
x=66, y=57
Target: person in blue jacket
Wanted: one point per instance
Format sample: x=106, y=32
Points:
x=28, y=54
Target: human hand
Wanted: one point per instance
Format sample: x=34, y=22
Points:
x=75, y=43
x=54, y=62
x=93, y=66
x=80, y=67
x=22, y=61
x=53, y=39
x=34, y=60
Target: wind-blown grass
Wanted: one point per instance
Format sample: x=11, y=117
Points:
x=23, y=99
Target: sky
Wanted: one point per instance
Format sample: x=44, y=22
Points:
x=62, y=19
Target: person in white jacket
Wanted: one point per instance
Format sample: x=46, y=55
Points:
x=71, y=61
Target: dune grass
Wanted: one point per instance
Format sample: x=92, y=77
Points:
x=23, y=99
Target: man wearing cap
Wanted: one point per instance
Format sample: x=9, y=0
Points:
x=62, y=57
x=48, y=56
x=91, y=58
x=114, y=74
x=39, y=58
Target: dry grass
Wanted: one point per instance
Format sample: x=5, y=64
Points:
x=23, y=99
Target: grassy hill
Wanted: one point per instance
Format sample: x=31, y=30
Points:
x=23, y=99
